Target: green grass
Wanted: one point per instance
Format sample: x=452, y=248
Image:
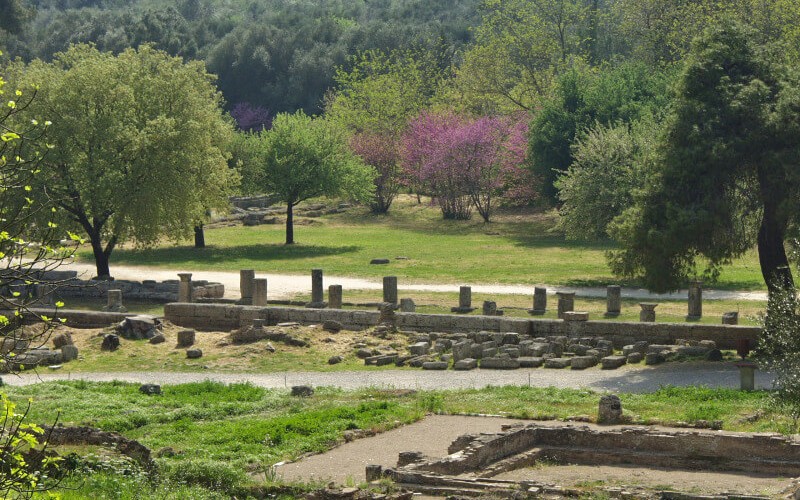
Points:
x=217, y=432
x=519, y=248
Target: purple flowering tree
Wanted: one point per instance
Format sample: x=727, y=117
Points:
x=380, y=151
x=251, y=118
x=466, y=162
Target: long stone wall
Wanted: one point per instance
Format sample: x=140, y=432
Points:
x=229, y=317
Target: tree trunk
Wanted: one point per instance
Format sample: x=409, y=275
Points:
x=100, y=256
x=289, y=224
x=199, y=236
x=772, y=254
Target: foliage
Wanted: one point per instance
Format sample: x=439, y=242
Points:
x=726, y=176
x=464, y=162
x=301, y=158
x=251, y=118
x=381, y=153
x=611, y=162
x=139, y=144
x=22, y=473
x=27, y=250
x=585, y=97
x=778, y=351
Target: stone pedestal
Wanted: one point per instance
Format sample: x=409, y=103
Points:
x=335, y=296
x=609, y=410
x=566, y=303
x=390, y=289
x=186, y=338
x=246, y=277
x=747, y=375
x=539, y=301
x=490, y=308
x=648, y=312
x=114, y=302
x=408, y=306
x=317, y=299
x=464, y=301
x=730, y=318
x=259, y=291
x=185, y=287
x=613, y=300
x=45, y=294
x=695, y=300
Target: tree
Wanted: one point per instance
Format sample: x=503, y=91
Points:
x=611, y=162
x=139, y=144
x=27, y=250
x=301, y=158
x=464, y=162
x=727, y=172
x=374, y=102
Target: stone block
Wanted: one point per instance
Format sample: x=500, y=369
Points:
x=510, y=338
x=654, y=358
x=634, y=358
x=582, y=362
x=488, y=352
x=435, y=365
x=513, y=352
x=69, y=352
x=576, y=316
x=609, y=410
x=462, y=350
x=194, y=353
x=578, y=349
x=419, y=349
x=530, y=362
x=465, y=364
x=557, y=363
x=498, y=363
x=612, y=362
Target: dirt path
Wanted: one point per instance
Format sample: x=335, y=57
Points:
x=282, y=286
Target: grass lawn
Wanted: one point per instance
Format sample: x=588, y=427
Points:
x=217, y=439
x=520, y=247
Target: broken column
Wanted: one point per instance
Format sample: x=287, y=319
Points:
x=317, y=298
x=695, y=300
x=613, y=300
x=114, y=302
x=566, y=303
x=464, y=301
x=648, y=312
x=609, y=410
x=335, y=296
x=246, y=277
x=259, y=292
x=185, y=287
x=490, y=308
x=539, y=301
x=730, y=318
x=407, y=306
x=390, y=289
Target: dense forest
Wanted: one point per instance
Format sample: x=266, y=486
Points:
x=276, y=54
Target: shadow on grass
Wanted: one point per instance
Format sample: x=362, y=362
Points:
x=213, y=254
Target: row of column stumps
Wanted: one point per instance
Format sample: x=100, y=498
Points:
x=254, y=292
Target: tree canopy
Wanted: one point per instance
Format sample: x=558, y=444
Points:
x=139, y=144
x=300, y=158
x=727, y=173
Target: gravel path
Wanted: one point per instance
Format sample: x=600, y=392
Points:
x=282, y=286
x=628, y=379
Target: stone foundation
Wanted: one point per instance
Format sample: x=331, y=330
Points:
x=475, y=459
x=229, y=317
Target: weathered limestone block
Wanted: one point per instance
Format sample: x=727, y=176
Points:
x=557, y=363
x=613, y=300
x=69, y=352
x=654, y=358
x=539, y=301
x=419, y=349
x=390, y=289
x=582, y=362
x=612, y=362
x=499, y=363
x=186, y=338
x=462, y=350
x=530, y=362
x=609, y=410
x=464, y=301
x=435, y=365
x=465, y=364
x=407, y=305
x=634, y=358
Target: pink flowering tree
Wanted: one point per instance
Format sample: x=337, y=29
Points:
x=380, y=151
x=466, y=162
x=250, y=118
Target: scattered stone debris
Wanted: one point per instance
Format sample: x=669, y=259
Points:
x=139, y=327
x=194, y=353
x=110, y=342
x=150, y=389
